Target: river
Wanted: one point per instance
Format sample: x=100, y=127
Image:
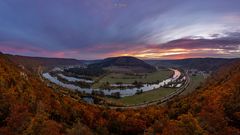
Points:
x=122, y=92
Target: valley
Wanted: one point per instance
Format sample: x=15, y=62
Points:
x=119, y=67
x=124, y=89
x=24, y=96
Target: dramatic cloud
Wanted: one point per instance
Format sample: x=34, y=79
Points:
x=91, y=29
x=227, y=46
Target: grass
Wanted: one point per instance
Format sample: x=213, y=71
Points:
x=158, y=93
x=144, y=97
x=113, y=78
x=195, y=82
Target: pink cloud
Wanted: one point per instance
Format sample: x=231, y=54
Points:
x=25, y=49
x=185, y=48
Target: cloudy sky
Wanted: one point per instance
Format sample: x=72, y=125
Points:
x=94, y=29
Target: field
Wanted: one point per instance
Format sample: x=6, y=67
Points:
x=158, y=93
x=144, y=97
x=113, y=78
x=195, y=82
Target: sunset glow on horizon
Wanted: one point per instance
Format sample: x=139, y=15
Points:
x=90, y=29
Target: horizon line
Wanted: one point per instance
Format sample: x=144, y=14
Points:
x=117, y=56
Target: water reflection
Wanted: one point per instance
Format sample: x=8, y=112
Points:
x=122, y=92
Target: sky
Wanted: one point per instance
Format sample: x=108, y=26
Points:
x=96, y=29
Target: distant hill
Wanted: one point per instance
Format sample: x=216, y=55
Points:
x=124, y=64
x=203, y=64
x=35, y=62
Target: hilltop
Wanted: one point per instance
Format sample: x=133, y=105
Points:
x=124, y=64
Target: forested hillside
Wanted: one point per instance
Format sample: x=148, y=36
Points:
x=27, y=106
x=127, y=62
x=33, y=63
x=203, y=64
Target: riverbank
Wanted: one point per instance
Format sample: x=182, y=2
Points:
x=122, y=93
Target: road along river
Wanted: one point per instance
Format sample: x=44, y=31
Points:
x=122, y=92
